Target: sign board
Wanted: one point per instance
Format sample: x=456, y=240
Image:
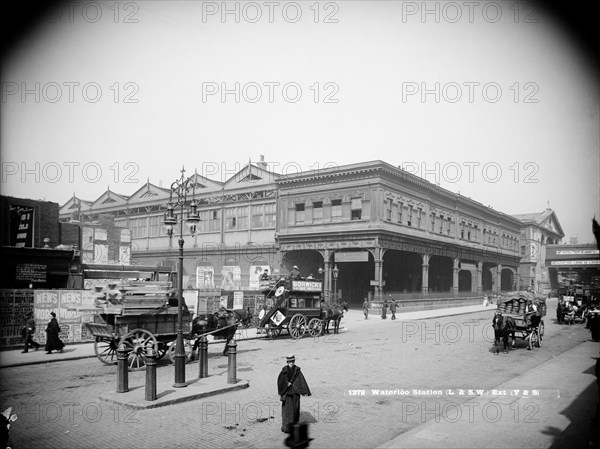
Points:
x=31, y=272
x=575, y=262
x=375, y=283
x=306, y=286
x=21, y=226
x=351, y=256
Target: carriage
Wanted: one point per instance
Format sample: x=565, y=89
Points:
x=529, y=330
x=571, y=309
x=293, y=305
x=143, y=315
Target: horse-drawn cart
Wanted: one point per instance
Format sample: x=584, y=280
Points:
x=293, y=305
x=528, y=327
x=139, y=315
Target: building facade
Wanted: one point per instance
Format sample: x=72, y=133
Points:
x=385, y=230
x=537, y=232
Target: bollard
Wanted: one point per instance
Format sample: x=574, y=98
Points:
x=231, y=365
x=150, y=374
x=122, y=369
x=203, y=358
x=298, y=438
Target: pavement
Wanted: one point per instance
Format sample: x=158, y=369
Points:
x=561, y=384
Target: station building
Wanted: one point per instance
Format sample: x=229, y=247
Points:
x=381, y=229
x=539, y=232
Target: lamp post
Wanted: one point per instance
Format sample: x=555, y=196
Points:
x=336, y=272
x=178, y=198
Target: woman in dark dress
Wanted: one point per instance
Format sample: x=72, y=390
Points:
x=53, y=342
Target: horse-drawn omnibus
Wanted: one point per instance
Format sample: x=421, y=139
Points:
x=293, y=305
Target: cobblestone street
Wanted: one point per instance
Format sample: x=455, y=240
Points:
x=58, y=404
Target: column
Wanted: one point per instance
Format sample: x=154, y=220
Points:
x=479, y=279
x=498, y=288
x=425, y=275
x=455, y=271
x=327, y=274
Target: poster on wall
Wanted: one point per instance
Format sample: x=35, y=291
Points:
x=191, y=300
x=223, y=302
x=44, y=302
x=231, y=277
x=238, y=300
x=70, y=301
x=205, y=277
x=255, y=273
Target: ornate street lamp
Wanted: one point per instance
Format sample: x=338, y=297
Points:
x=336, y=272
x=178, y=198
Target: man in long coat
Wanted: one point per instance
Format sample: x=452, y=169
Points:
x=290, y=385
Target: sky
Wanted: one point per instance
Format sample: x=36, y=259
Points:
x=494, y=100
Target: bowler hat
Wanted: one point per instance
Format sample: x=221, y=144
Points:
x=53, y=314
x=290, y=358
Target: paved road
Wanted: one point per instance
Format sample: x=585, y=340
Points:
x=58, y=402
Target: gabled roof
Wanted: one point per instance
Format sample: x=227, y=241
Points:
x=251, y=176
x=149, y=193
x=546, y=219
x=75, y=205
x=203, y=184
x=109, y=199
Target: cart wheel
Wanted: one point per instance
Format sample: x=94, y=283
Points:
x=137, y=342
x=297, y=326
x=106, y=350
x=541, y=329
x=315, y=327
x=187, y=348
x=539, y=338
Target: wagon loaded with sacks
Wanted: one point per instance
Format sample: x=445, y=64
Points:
x=293, y=305
x=143, y=315
x=529, y=327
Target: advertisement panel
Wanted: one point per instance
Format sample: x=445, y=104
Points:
x=255, y=272
x=205, y=277
x=231, y=277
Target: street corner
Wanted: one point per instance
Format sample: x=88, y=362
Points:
x=167, y=394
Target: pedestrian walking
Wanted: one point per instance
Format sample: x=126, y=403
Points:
x=53, y=342
x=393, y=306
x=366, y=307
x=28, y=331
x=384, y=309
x=290, y=386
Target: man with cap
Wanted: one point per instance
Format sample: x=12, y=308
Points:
x=531, y=313
x=290, y=385
x=295, y=274
x=28, y=331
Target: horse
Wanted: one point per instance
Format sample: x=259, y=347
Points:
x=221, y=325
x=333, y=313
x=504, y=326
